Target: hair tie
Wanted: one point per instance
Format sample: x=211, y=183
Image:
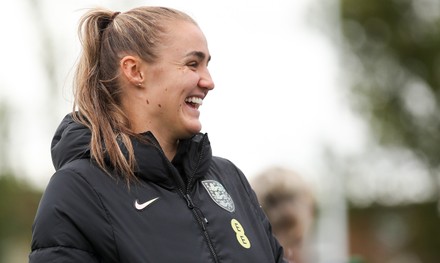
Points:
x=114, y=15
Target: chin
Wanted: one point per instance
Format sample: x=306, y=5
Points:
x=188, y=127
x=193, y=129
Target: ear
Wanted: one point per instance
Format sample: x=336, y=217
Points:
x=131, y=68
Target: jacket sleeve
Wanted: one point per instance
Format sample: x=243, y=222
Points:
x=66, y=221
x=277, y=249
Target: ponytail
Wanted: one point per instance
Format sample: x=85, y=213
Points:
x=97, y=97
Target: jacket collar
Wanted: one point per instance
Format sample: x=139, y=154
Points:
x=191, y=162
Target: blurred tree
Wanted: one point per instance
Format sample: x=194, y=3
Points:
x=18, y=204
x=391, y=50
x=395, y=234
x=47, y=51
x=4, y=135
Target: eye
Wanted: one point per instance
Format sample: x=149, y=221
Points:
x=193, y=64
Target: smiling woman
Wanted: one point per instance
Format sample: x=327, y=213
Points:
x=135, y=179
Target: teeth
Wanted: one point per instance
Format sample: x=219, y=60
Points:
x=194, y=100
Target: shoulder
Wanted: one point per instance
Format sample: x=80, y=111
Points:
x=70, y=182
x=70, y=205
x=227, y=172
x=77, y=186
x=67, y=191
x=223, y=163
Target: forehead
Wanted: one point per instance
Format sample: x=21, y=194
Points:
x=184, y=38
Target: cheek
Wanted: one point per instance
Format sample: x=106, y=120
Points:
x=176, y=87
x=188, y=76
x=184, y=86
x=192, y=81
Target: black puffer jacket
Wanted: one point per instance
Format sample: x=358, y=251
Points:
x=197, y=208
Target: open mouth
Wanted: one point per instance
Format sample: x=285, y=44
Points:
x=194, y=102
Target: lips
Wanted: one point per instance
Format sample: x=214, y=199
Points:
x=194, y=102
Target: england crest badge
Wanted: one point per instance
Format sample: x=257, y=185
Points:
x=219, y=195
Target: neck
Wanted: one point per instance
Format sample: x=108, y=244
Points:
x=169, y=147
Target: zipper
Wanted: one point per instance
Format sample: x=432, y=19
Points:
x=202, y=222
x=198, y=214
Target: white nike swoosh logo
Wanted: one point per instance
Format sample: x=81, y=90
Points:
x=143, y=205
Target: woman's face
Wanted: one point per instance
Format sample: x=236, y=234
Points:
x=176, y=84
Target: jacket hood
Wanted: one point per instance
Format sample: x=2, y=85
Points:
x=70, y=142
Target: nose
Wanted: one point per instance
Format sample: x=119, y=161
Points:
x=205, y=80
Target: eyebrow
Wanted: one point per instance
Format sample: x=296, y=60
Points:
x=198, y=54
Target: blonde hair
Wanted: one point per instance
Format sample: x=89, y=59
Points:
x=288, y=202
x=107, y=37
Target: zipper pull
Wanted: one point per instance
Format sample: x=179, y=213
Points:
x=189, y=201
x=191, y=205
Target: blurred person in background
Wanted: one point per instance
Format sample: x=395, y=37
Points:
x=135, y=179
x=290, y=206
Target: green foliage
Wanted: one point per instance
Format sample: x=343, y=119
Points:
x=18, y=204
x=393, y=56
x=409, y=233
